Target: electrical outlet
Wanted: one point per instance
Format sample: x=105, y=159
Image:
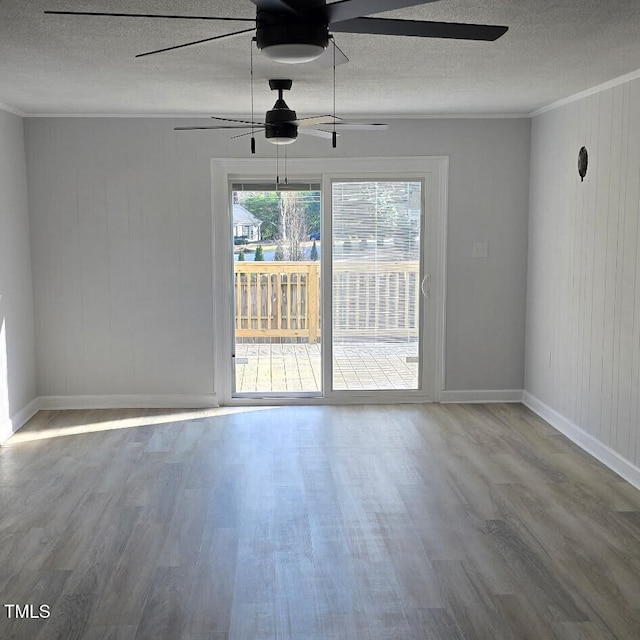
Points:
x=480, y=250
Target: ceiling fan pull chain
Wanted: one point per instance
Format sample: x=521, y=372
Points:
x=253, y=139
x=286, y=179
x=334, y=135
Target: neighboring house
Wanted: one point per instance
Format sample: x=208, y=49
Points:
x=245, y=224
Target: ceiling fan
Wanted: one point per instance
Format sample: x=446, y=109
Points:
x=296, y=31
x=281, y=124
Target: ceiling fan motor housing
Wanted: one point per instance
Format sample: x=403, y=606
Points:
x=274, y=29
x=282, y=128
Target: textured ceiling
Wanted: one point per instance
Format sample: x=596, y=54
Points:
x=85, y=65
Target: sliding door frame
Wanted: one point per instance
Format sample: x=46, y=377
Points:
x=431, y=170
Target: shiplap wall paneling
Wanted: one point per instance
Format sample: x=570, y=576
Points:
x=628, y=385
x=611, y=299
x=583, y=310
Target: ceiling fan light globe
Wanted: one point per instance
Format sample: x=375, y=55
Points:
x=281, y=141
x=293, y=53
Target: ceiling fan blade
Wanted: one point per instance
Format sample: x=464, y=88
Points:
x=194, y=128
x=315, y=120
x=245, y=122
x=365, y=126
x=349, y=9
x=146, y=15
x=190, y=44
x=275, y=5
x=243, y=135
x=421, y=29
x=326, y=59
x=316, y=132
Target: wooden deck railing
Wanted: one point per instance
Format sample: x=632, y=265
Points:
x=282, y=299
x=277, y=300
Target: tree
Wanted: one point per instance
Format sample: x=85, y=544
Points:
x=241, y=256
x=267, y=207
x=259, y=257
x=310, y=203
x=293, y=225
x=314, y=252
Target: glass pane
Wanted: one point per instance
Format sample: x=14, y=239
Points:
x=376, y=284
x=277, y=247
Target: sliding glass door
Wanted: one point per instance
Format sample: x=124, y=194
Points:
x=378, y=285
x=276, y=289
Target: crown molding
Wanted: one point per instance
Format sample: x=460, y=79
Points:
x=354, y=117
x=9, y=109
x=627, y=77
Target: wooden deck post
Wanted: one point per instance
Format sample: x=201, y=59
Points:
x=313, y=301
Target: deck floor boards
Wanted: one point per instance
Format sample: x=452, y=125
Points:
x=287, y=368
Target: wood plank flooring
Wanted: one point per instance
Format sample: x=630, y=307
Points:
x=412, y=522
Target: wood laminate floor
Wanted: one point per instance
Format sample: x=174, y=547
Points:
x=412, y=522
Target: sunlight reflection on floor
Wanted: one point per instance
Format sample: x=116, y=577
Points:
x=56, y=424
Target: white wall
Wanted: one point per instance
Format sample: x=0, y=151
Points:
x=583, y=306
x=121, y=219
x=17, y=358
x=121, y=242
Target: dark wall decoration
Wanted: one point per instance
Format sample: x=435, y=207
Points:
x=583, y=161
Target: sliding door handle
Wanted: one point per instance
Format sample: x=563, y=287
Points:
x=425, y=286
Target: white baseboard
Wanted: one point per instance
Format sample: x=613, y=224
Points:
x=481, y=396
x=600, y=451
x=131, y=401
x=11, y=425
